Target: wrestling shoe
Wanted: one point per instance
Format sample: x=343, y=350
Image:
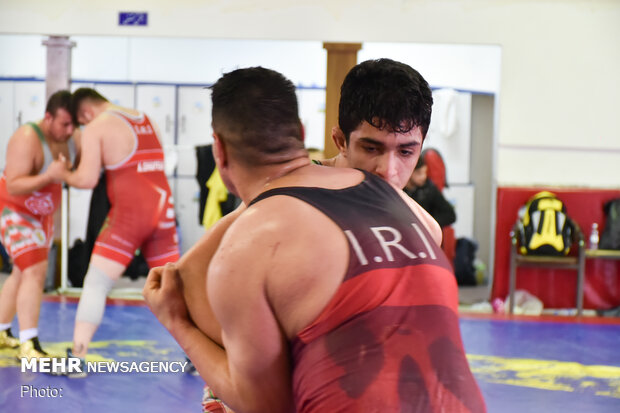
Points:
x=190, y=368
x=74, y=373
x=7, y=339
x=69, y=367
x=31, y=349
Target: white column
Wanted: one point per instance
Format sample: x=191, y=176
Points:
x=58, y=77
x=58, y=69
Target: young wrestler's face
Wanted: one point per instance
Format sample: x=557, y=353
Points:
x=60, y=125
x=392, y=156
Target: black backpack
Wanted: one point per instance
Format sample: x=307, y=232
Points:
x=544, y=226
x=464, y=258
x=610, y=238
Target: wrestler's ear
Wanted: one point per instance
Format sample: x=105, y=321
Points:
x=339, y=139
x=302, y=130
x=219, y=152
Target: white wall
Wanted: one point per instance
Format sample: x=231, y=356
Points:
x=560, y=87
x=458, y=66
x=193, y=60
x=156, y=59
x=22, y=55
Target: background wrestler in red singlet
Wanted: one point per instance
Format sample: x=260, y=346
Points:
x=125, y=143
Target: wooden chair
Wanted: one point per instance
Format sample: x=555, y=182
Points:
x=574, y=261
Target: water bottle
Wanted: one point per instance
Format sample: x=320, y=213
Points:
x=594, y=237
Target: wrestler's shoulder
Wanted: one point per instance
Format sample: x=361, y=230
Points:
x=104, y=122
x=25, y=133
x=277, y=217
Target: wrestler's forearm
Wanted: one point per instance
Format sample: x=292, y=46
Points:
x=212, y=363
x=79, y=180
x=192, y=268
x=207, y=356
x=27, y=184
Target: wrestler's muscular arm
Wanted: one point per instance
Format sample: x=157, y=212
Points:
x=87, y=173
x=24, y=159
x=77, y=140
x=192, y=269
x=253, y=374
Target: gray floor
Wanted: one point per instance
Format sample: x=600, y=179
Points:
x=476, y=294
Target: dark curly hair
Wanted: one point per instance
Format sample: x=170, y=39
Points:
x=386, y=94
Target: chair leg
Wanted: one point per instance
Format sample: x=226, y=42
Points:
x=512, y=280
x=581, y=275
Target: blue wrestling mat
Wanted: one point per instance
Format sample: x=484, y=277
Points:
x=545, y=366
x=522, y=365
x=128, y=333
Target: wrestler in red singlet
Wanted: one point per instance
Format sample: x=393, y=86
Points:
x=141, y=213
x=389, y=339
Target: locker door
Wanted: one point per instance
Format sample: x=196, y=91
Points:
x=29, y=102
x=122, y=95
x=79, y=210
x=450, y=133
x=6, y=119
x=194, y=114
x=462, y=199
x=158, y=102
x=312, y=115
x=186, y=205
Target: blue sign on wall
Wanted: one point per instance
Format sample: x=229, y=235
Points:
x=132, y=18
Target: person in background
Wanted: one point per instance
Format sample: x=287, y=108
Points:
x=126, y=144
x=30, y=192
x=425, y=193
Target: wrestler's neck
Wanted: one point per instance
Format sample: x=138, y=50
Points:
x=251, y=182
x=44, y=126
x=337, y=161
x=111, y=106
